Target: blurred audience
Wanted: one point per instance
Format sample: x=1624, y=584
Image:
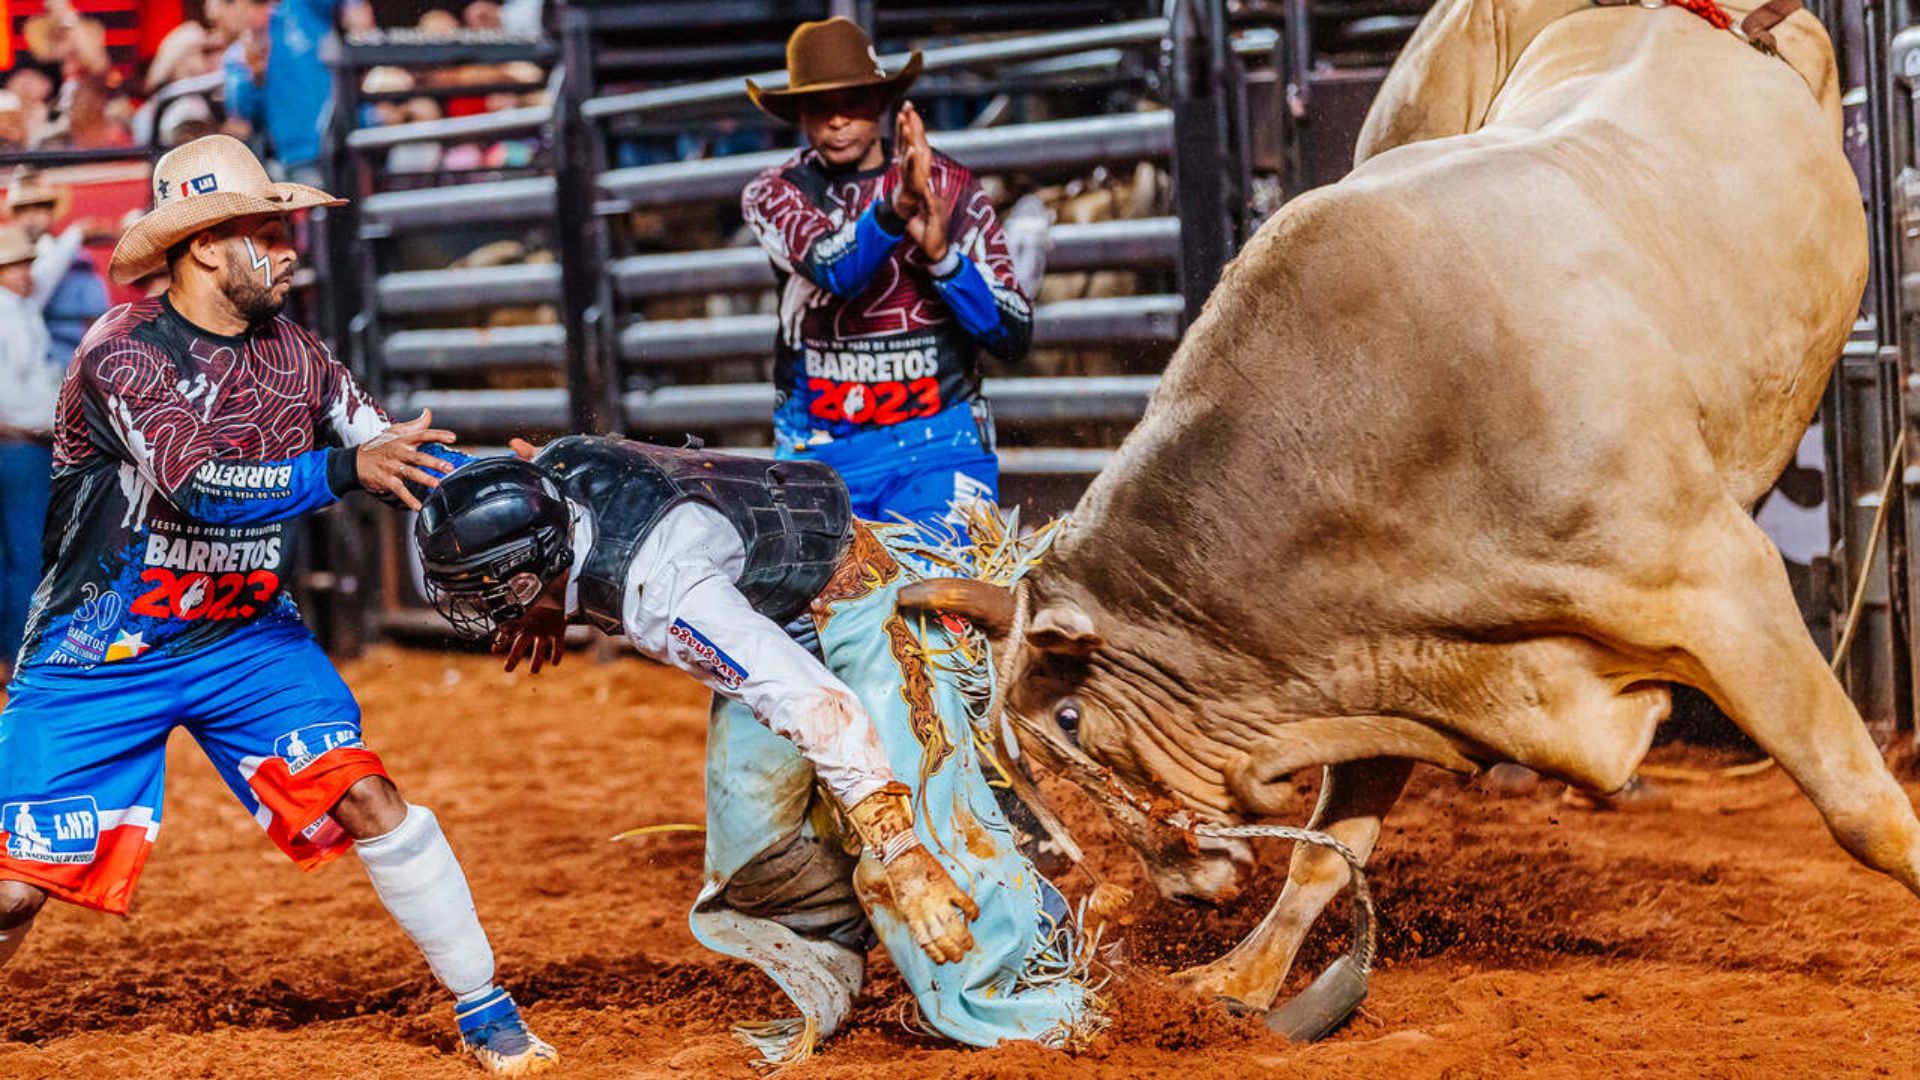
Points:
x=26, y=426
x=83, y=112
x=493, y=83
x=277, y=82
x=189, y=50
x=13, y=122
x=253, y=68
x=34, y=91
x=77, y=294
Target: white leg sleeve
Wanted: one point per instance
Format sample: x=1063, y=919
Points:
x=10, y=941
x=420, y=882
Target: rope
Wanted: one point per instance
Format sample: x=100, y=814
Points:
x=1858, y=602
x=1707, y=10
x=1855, y=606
x=1361, y=950
x=651, y=830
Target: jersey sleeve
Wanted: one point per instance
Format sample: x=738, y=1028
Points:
x=801, y=238
x=349, y=416
x=152, y=420
x=689, y=614
x=978, y=284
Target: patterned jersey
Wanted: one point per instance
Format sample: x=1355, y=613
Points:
x=182, y=461
x=870, y=335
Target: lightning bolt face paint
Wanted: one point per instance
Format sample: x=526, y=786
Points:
x=262, y=263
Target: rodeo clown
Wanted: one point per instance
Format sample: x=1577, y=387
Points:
x=699, y=558
x=194, y=431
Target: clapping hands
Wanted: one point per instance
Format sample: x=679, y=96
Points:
x=914, y=197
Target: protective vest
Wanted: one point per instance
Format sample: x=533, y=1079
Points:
x=793, y=517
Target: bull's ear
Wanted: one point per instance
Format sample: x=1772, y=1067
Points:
x=1063, y=628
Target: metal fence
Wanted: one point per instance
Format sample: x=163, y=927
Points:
x=1197, y=81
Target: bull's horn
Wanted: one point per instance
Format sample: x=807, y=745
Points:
x=991, y=606
x=1300, y=744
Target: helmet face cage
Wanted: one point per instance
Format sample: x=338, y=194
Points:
x=477, y=613
x=477, y=604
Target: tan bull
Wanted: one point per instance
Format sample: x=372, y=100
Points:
x=1455, y=466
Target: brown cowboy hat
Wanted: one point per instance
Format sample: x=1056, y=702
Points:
x=833, y=54
x=197, y=186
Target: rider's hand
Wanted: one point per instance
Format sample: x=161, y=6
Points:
x=923, y=896
x=540, y=634
x=935, y=909
x=389, y=460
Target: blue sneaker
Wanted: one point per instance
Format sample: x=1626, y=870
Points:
x=493, y=1030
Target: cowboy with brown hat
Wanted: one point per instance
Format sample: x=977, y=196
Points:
x=196, y=428
x=893, y=274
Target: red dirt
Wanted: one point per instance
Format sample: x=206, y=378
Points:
x=1726, y=937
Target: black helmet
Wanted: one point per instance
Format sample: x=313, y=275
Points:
x=490, y=537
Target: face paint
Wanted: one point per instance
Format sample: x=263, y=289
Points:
x=262, y=263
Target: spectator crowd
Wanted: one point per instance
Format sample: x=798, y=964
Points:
x=252, y=69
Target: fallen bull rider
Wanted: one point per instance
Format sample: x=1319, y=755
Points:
x=845, y=799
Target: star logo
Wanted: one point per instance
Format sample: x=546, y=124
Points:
x=127, y=646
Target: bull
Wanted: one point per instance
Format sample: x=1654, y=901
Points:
x=1455, y=466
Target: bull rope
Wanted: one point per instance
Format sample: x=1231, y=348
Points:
x=1338, y=990
x=1854, y=608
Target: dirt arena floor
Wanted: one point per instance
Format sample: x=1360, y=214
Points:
x=1726, y=936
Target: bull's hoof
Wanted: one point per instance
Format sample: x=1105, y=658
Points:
x=1638, y=795
x=1228, y=986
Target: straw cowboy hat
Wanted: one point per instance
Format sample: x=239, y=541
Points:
x=833, y=54
x=28, y=189
x=197, y=186
x=14, y=245
x=181, y=54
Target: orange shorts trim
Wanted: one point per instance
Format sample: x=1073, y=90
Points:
x=296, y=804
x=104, y=884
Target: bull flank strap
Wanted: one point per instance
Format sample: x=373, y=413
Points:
x=1756, y=29
x=1758, y=26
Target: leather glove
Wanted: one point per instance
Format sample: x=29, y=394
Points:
x=935, y=910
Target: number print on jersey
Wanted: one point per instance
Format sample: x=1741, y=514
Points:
x=205, y=596
x=888, y=402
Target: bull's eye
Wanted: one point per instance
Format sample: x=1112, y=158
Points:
x=1068, y=717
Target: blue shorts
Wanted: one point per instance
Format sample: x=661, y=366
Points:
x=917, y=470
x=83, y=756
